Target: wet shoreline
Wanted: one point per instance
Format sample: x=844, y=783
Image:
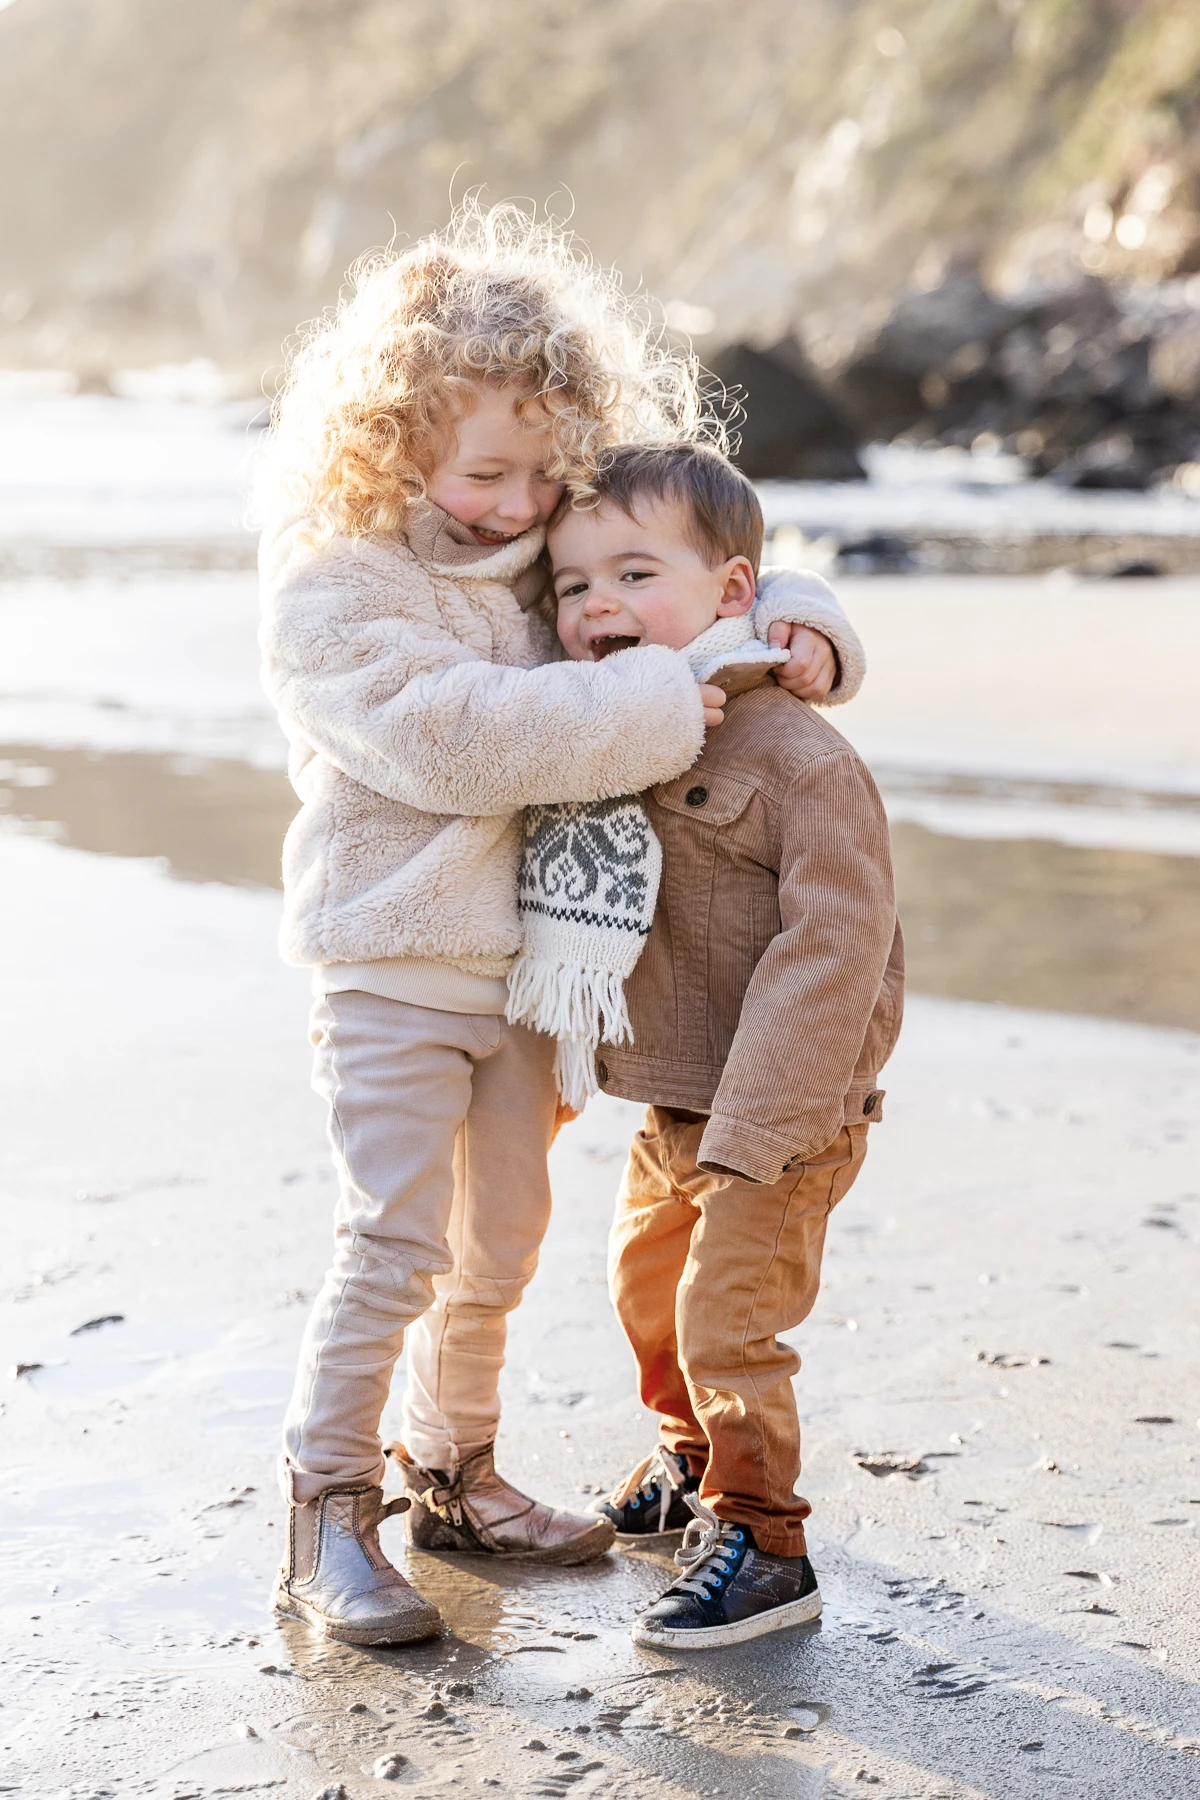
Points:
x=1026, y=921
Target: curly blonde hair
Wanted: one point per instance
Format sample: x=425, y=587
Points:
x=371, y=393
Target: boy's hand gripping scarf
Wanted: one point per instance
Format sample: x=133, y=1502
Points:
x=588, y=886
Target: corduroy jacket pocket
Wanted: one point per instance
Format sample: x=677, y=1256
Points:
x=705, y=822
x=705, y=798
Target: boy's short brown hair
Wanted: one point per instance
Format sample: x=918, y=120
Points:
x=722, y=515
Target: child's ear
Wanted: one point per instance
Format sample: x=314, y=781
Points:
x=738, y=588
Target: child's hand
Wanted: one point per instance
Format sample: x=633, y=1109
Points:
x=811, y=669
x=713, y=698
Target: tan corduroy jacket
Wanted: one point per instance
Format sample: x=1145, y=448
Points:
x=770, y=990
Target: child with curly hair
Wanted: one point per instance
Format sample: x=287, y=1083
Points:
x=422, y=439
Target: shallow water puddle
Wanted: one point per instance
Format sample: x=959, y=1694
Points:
x=1060, y=927
x=208, y=819
x=1023, y=920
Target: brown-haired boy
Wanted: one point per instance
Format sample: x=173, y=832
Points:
x=766, y=1000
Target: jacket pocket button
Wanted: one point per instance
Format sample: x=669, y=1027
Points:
x=602, y=1072
x=696, y=796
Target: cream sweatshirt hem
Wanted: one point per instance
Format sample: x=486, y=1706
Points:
x=418, y=981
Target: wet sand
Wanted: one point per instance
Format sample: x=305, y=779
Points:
x=1009, y=1294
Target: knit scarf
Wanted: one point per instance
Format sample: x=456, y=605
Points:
x=588, y=886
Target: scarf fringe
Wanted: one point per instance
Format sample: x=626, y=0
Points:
x=577, y=1006
x=575, y=1071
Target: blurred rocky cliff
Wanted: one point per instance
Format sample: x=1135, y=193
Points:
x=940, y=218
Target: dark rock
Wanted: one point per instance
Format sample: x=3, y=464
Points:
x=877, y=554
x=95, y=1324
x=1075, y=348
x=1137, y=568
x=1097, y=387
x=1114, y=461
x=930, y=344
x=792, y=430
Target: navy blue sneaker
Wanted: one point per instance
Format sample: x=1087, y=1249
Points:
x=651, y=1504
x=731, y=1590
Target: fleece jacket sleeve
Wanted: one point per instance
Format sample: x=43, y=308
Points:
x=806, y=1011
x=409, y=711
x=798, y=597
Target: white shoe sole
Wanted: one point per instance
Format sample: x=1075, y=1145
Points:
x=713, y=1637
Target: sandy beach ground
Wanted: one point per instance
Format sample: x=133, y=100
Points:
x=1001, y=1380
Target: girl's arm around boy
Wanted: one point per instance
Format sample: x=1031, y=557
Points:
x=361, y=665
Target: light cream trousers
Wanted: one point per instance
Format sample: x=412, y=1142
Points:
x=440, y=1124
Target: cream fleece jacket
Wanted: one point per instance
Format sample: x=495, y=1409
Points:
x=425, y=706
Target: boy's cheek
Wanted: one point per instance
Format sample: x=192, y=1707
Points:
x=568, y=637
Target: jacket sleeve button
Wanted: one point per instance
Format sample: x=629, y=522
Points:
x=870, y=1103
x=696, y=796
x=602, y=1072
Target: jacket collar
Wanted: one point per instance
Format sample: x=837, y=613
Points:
x=447, y=547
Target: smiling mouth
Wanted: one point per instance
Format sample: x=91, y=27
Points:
x=492, y=537
x=608, y=646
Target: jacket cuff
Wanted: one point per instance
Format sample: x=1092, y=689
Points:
x=735, y=1147
x=799, y=597
x=738, y=1147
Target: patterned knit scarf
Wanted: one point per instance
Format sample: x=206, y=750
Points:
x=589, y=882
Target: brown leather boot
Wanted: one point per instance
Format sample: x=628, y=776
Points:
x=473, y=1509
x=336, y=1578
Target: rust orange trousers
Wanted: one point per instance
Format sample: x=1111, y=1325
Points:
x=705, y=1272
